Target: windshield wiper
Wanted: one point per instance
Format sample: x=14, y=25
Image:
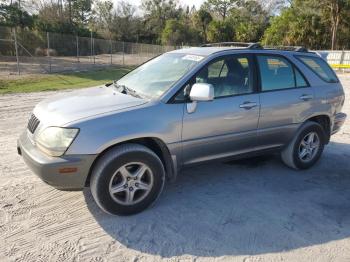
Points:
x=126, y=90
x=132, y=92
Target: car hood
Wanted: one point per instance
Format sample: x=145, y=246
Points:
x=76, y=105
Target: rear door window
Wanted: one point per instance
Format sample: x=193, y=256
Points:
x=278, y=73
x=320, y=68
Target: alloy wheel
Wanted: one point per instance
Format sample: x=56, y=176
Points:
x=309, y=147
x=131, y=183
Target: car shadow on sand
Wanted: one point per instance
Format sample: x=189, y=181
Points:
x=242, y=207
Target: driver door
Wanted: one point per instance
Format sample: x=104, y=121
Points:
x=227, y=125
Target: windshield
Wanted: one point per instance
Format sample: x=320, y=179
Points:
x=155, y=77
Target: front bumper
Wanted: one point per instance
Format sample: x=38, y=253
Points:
x=68, y=172
x=338, y=122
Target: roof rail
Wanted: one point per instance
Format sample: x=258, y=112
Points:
x=235, y=44
x=257, y=46
x=288, y=48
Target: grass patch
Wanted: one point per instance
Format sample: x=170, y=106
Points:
x=36, y=83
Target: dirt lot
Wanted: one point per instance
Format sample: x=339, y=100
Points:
x=248, y=210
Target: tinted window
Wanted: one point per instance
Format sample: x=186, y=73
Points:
x=277, y=73
x=300, y=80
x=320, y=67
x=229, y=76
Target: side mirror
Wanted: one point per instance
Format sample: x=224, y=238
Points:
x=202, y=92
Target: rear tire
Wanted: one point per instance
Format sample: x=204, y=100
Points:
x=127, y=179
x=306, y=147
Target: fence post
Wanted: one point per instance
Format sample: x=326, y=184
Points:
x=139, y=49
x=110, y=41
x=48, y=49
x=77, y=40
x=123, y=53
x=16, y=48
x=342, y=59
x=93, y=48
x=91, y=43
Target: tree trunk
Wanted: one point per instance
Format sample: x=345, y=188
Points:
x=335, y=19
x=70, y=11
x=205, y=34
x=334, y=34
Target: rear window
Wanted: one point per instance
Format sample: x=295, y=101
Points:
x=320, y=67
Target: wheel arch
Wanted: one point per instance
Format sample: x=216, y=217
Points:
x=153, y=143
x=325, y=122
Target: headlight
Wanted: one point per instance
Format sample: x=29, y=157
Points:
x=56, y=140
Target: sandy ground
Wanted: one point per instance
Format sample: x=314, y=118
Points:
x=248, y=210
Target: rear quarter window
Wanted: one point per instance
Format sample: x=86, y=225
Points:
x=319, y=67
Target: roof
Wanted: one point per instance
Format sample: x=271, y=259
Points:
x=208, y=50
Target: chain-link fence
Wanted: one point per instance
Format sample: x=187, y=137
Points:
x=33, y=52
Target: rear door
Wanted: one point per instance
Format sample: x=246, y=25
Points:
x=285, y=98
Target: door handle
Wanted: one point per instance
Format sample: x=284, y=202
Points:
x=248, y=105
x=306, y=97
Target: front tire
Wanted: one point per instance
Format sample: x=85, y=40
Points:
x=306, y=148
x=127, y=179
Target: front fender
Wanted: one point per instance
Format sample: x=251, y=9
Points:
x=163, y=121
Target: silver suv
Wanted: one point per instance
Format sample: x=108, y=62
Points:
x=125, y=139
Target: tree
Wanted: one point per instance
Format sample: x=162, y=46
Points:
x=174, y=33
x=275, y=7
x=220, y=7
x=13, y=15
x=300, y=24
x=81, y=11
x=177, y=32
x=220, y=31
x=125, y=23
x=203, y=19
x=156, y=13
x=249, y=20
x=315, y=23
x=104, y=12
x=335, y=9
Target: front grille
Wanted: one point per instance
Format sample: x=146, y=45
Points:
x=33, y=123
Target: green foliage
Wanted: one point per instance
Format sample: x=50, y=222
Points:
x=202, y=19
x=297, y=26
x=13, y=15
x=177, y=33
x=125, y=26
x=220, y=31
x=315, y=24
x=220, y=7
x=309, y=23
x=174, y=33
x=81, y=11
x=157, y=12
x=250, y=21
